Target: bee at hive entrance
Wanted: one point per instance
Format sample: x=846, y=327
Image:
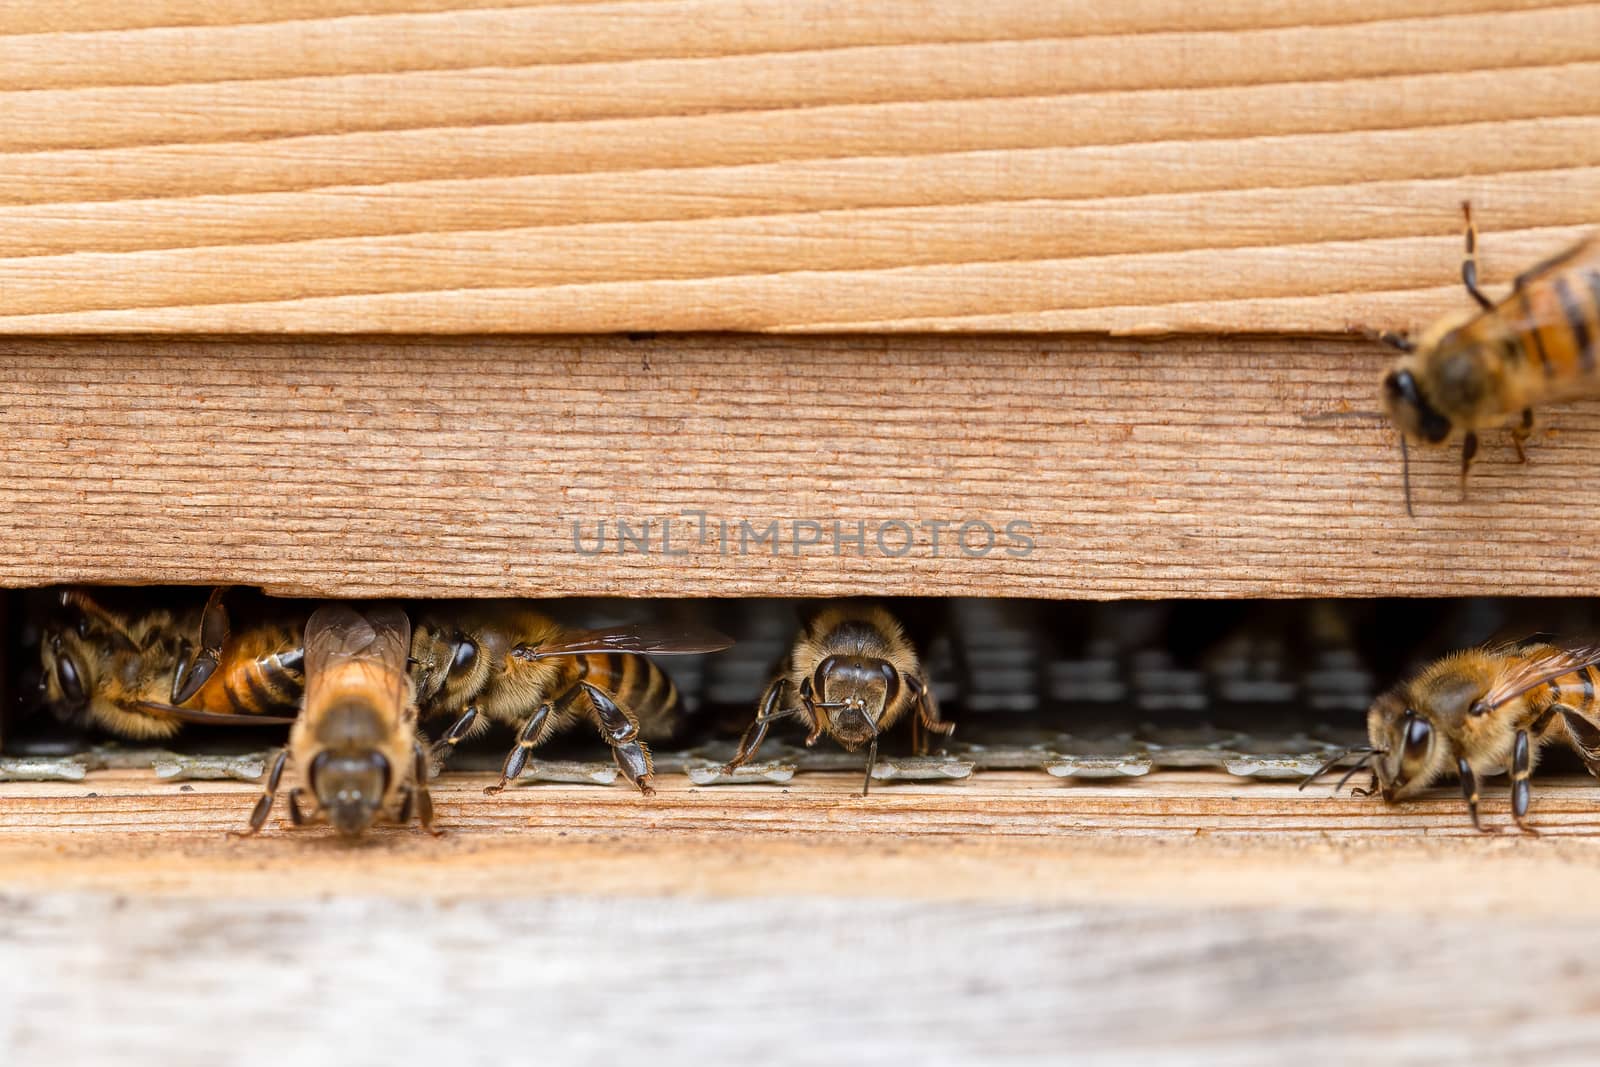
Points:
x=913, y=692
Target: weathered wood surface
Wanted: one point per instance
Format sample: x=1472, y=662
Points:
x=383, y=166
x=994, y=806
x=1168, y=920
x=1144, y=468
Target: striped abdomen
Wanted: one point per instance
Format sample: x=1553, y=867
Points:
x=1554, y=320
x=638, y=685
x=262, y=673
x=1575, y=690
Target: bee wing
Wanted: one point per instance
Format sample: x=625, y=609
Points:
x=340, y=639
x=1588, y=248
x=642, y=640
x=212, y=718
x=1543, y=666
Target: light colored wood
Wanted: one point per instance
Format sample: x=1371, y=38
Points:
x=1145, y=468
x=1170, y=837
x=416, y=167
x=1006, y=917
x=988, y=811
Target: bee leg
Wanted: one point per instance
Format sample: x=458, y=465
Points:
x=527, y=739
x=1586, y=737
x=296, y=815
x=756, y=732
x=403, y=815
x=927, y=715
x=621, y=732
x=446, y=745
x=1469, y=262
x=1521, y=433
x=1469, y=452
x=1469, y=789
x=190, y=676
x=258, y=816
x=1521, y=768
x=420, y=790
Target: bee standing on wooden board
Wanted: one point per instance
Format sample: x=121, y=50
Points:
x=1489, y=367
x=355, y=741
x=1481, y=712
x=504, y=662
x=128, y=673
x=851, y=674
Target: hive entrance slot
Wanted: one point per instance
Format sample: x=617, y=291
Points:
x=1076, y=690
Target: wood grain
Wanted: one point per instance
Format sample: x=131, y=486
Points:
x=422, y=166
x=992, y=806
x=999, y=919
x=1144, y=468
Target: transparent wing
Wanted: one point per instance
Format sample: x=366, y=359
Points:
x=212, y=718
x=1585, y=251
x=642, y=640
x=343, y=644
x=1538, y=667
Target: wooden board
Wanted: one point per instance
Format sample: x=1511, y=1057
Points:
x=1008, y=917
x=1142, y=468
x=389, y=166
x=84, y=818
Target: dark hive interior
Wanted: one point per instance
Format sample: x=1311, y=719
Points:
x=1081, y=689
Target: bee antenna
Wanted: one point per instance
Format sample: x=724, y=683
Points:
x=872, y=750
x=1405, y=475
x=73, y=598
x=1367, y=753
x=1351, y=773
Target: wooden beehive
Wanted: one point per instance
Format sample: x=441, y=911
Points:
x=393, y=297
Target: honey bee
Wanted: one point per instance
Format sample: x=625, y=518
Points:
x=125, y=672
x=851, y=674
x=258, y=670
x=1489, y=366
x=355, y=740
x=1480, y=712
x=504, y=662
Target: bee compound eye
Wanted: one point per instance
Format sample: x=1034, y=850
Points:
x=71, y=682
x=466, y=653
x=1402, y=386
x=1418, y=734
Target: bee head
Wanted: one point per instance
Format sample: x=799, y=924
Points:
x=1409, y=410
x=1409, y=754
x=450, y=664
x=350, y=788
x=852, y=693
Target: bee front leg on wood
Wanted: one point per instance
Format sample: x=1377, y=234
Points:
x=1469, y=790
x=258, y=816
x=621, y=732
x=419, y=789
x=1520, y=434
x=445, y=747
x=1469, y=452
x=756, y=732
